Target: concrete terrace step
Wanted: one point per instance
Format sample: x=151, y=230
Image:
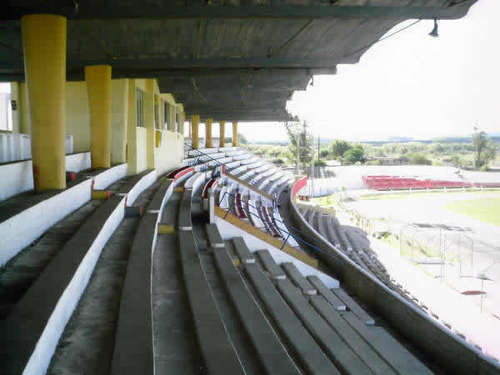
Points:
x=327, y=293
x=275, y=271
x=271, y=352
x=174, y=341
x=304, y=348
x=242, y=250
x=353, y=306
x=22, y=270
x=300, y=281
x=351, y=337
x=338, y=351
x=388, y=347
x=218, y=353
x=89, y=336
x=45, y=304
x=214, y=238
x=133, y=352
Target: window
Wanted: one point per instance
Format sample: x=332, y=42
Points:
x=166, y=114
x=140, y=107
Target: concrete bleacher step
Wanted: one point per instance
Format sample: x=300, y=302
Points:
x=22, y=329
x=305, y=350
x=218, y=353
x=356, y=342
x=271, y=353
x=275, y=271
x=214, y=238
x=242, y=251
x=174, y=341
x=296, y=277
x=134, y=319
x=89, y=336
x=21, y=271
x=388, y=347
x=327, y=293
x=353, y=306
x=344, y=358
x=233, y=325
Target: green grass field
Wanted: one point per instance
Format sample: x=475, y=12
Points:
x=482, y=209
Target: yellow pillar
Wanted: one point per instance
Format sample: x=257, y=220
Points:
x=208, y=133
x=44, y=46
x=149, y=122
x=98, y=78
x=222, y=133
x=195, y=122
x=235, y=134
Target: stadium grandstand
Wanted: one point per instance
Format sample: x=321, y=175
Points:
x=130, y=245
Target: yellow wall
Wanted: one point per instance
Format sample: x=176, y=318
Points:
x=119, y=118
x=170, y=152
x=78, y=115
x=129, y=143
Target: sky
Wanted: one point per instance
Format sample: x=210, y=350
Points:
x=410, y=85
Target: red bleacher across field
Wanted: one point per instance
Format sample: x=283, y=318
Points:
x=406, y=183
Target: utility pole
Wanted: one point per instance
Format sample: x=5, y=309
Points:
x=318, y=145
x=297, y=164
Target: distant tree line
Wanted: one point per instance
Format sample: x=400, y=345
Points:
x=478, y=153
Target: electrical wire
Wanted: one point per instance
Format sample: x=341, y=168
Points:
x=381, y=39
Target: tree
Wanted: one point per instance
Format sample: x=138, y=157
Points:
x=339, y=148
x=298, y=132
x=484, y=149
x=241, y=139
x=418, y=159
x=353, y=155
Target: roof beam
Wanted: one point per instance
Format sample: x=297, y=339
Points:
x=165, y=9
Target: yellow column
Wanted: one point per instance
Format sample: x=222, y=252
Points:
x=195, y=122
x=235, y=134
x=98, y=78
x=132, y=151
x=149, y=122
x=222, y=133
x=44, y=46
x=208, y=133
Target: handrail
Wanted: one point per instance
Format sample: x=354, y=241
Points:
x=288, y=233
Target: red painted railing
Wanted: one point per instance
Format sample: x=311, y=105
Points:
x=299, y=184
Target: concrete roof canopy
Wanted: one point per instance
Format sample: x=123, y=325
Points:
x=234, y=60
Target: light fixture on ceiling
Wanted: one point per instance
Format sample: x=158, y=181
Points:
x=434, y=33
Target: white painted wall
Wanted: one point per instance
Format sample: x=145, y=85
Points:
x=17, y=177
x=144, y=183
x=228, y=231
x=22, y=229
x=109, y=176
x=46, y=345
x=170, y=153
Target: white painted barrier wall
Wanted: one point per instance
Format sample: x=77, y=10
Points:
x=46, y=345
x=22, y=229
x=109, y=176
x=17, y=177
x=17, y=146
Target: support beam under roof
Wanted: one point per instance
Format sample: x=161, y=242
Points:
x=168, y=9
